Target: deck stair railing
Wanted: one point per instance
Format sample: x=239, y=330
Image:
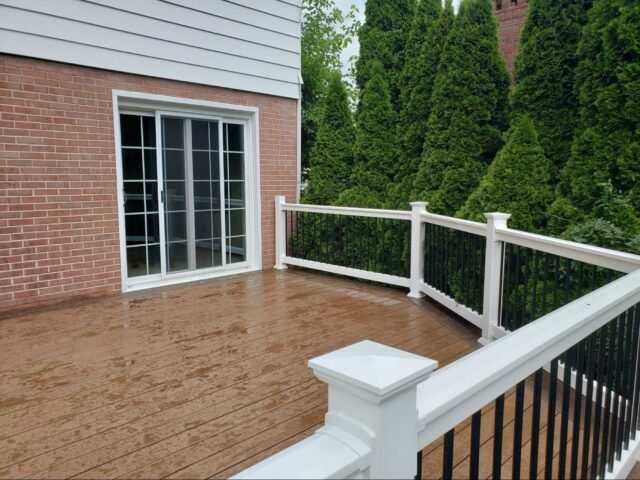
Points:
x=556, y=394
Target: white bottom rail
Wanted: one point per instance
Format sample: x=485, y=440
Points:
x=445, y=300
x=347, y=271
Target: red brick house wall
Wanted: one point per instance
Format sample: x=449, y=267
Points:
x=58, y=205
x=511, y=17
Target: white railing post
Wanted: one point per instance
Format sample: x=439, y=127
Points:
x=417, y=249
x=492, y=274
x=372, y=397
x=281, y=233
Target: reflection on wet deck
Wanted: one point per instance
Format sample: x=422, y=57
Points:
x=191, y=381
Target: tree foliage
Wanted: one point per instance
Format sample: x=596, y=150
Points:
x=517, y=182
x=468, y=111
x=430, y=30
x=331, y=158
x=545, y=73
x=383, y=38
x=600, y=181
x=326, y=31
x=374, y=166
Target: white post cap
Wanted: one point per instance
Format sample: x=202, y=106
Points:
x=372, y=370
x=498, y=215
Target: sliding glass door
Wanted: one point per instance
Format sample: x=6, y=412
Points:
x=185, y=209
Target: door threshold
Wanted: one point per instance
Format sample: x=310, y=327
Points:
x=187, y=279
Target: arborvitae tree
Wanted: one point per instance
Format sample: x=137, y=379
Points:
x=468, y=111
x=415, y=97
x=326, y=31
x=374, y=167
x=331, y=158
x=600, y=181
x=383, y=37
x=517, y=182
x=545, y=73
x=427, y=13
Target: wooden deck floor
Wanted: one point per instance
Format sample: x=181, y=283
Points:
x=194, y=381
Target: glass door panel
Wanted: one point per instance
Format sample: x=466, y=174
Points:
x=205, y=148
x=203, y=205
x=175, y=194
x=234, y=192
x=140, y=194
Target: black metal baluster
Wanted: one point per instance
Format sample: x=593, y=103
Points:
x=447, y=461
x=619, y=350
x=467, y=266
x=474, y=461
x=516, y=283
x=596, y=458
x=465, y=263
x=534, y=293
x=590, y=369
x=545, y=276
x=506, y=301
x=564, y=412
x=625, y=384
x=299, y=235
x=525, y=287
x=577, y=410
x=498, y=423
x=610, y=367
x=382, y=266
x=556, y=282
x=440, y=260
x=517, y=431
x=567, y=280
x=633, y=422
x=551, y=418
x=419, y=466
x=535, y=424
x=286, y=232
x=480, y=275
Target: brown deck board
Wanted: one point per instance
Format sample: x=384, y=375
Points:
x=193, y=381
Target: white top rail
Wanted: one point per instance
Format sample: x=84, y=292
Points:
x=603, y=257
x=460, y=389
x=356, y=212
x=476, y=228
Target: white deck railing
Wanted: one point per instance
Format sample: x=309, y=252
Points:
x=496, y=232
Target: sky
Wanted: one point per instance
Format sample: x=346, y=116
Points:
x=344, y=5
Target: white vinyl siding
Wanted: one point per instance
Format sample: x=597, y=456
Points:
x=250, y=45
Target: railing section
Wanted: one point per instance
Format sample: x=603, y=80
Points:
x=362, y=243
x=497, y=278
x=536, y=283
x=574, y=416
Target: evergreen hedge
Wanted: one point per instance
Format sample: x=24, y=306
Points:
x=545, y=73
x=468, y=111
x=331, y=158
x=517, y=182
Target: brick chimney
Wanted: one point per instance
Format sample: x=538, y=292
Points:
x=511, y=15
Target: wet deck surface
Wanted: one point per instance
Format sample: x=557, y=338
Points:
x=193, y=381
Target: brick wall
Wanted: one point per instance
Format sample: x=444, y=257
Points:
x=58, y=208
x=511, y=16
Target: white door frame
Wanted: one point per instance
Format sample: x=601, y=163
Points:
x=142, y=103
